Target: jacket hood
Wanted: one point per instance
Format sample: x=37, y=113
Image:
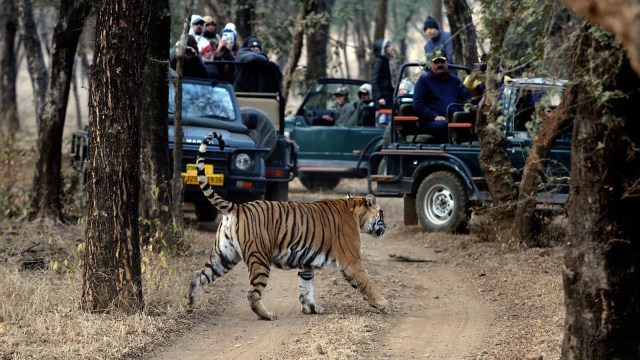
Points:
x=379, y=47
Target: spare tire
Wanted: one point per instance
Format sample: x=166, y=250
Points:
x=265, y=134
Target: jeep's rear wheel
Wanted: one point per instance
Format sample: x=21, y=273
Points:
x=205, y=211
x=442, y=202
x=319, y=182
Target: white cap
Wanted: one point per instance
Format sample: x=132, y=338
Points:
x=365, y=88
x=195, y=19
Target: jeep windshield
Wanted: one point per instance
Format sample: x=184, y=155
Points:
x=204, y=101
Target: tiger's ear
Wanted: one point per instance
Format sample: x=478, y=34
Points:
x=349, y=197
x=371, y=200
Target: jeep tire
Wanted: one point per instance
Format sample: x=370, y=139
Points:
x=205, y=211
x=319, y=182
x=277, y=191
x=441, y=202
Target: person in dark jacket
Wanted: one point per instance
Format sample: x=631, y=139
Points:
x=433, y=93
x=256, y=73
x=438, y=39
x=193, y=65
x=382, y=85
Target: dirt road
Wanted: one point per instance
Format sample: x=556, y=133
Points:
x=437, y=312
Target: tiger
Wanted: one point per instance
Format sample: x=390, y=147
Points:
x=289, y=235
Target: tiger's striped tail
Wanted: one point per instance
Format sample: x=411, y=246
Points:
x=215, y=199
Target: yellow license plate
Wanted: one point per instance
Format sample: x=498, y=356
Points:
x=191, y=176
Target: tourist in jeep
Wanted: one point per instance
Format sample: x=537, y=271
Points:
x=345, y=108
x=192, y=65
x=364, y=114
x=256, y=73
x=433, y=94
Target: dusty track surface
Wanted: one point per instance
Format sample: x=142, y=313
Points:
x=457, y=299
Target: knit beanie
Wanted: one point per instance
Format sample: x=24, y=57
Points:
x=430, y=23
x=229, y=32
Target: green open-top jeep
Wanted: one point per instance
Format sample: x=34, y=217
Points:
x=328, y=153
x=441, y=181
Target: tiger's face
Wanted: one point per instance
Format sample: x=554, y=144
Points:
x=373, y=217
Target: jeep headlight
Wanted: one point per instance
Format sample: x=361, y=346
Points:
x=242, y=161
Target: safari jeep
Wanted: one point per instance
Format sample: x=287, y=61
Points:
x=440, y=182
x=257, y=162
x=328, y=153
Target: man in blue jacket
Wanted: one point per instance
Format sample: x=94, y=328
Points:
x=433, y=93
x=438, y=39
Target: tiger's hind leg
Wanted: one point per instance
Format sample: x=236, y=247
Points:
x=258, y=277
x=307, y=292
x=357, y=276
x=223, y=258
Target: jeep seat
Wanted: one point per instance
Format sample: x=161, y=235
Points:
x=406, y=123
x=460, y=133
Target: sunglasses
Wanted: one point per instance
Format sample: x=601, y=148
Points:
x=439, y=61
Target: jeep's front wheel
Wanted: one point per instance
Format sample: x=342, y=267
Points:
x=319, y=182
x=442, y=202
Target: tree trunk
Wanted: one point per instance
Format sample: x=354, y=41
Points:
x=155, y=174
x=463, y=32
x=552, y=124
x=360, y=27
x=245, y=15
x=296, y=49
x=112, y=273
x=177, y=186
x=35, y=58
x=496, y=166
x=47, y=180
x=620, y=17
x=436, y=12
x=317, y=53
x=381, y=20
x=493, y=158
x=602, y=257
x=9, y=121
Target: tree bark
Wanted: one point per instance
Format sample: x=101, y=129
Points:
x=602, y=256
x=245, y=16
x=381, y=20
x=296, y=49
x=493, y=158
x=112, y=272
x=463, y=32
x=9, y=120
x=553, y=123
x=319, y=39
x=155, y=175
x=620, y=17
x=177, y=185
x=35, y=58
x=436, y=12
x=47, y=180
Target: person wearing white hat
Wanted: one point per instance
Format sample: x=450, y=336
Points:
x=197, y=26
x=227, y=47
x=364, y=115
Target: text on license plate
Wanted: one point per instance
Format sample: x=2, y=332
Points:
x=191, y=176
